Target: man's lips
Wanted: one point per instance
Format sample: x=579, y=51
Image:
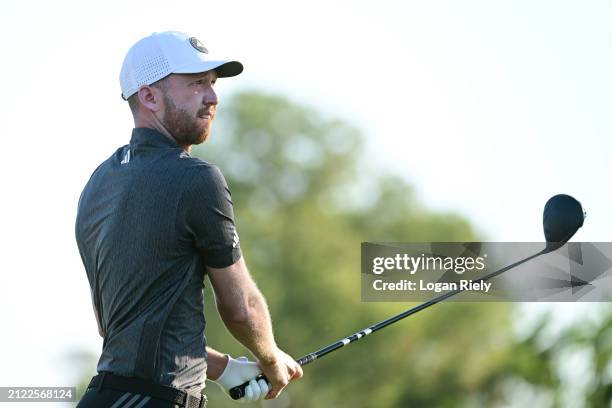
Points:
x=205, y=115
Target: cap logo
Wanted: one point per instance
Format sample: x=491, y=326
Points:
x=197, y=44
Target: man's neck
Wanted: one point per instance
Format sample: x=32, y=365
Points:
x=157, y=125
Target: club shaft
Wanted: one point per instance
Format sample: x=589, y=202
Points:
x=238, y=391
x=309, y=358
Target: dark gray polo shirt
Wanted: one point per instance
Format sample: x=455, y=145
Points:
x=149, y=220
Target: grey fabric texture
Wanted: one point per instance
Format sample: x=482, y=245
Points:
x=149, y=220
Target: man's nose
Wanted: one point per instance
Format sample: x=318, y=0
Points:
x=210, y=97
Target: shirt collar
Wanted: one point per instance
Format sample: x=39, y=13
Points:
x=151, y=137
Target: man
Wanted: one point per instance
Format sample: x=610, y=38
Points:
x=152, y=222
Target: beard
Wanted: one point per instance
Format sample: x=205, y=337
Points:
x=186, y=128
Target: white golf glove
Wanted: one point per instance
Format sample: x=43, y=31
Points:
x=238, y=371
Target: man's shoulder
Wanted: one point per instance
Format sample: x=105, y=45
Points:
x=197, y=167
x=117, y=156
x=201, y=174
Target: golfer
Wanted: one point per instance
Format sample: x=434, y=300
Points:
x=152, y=221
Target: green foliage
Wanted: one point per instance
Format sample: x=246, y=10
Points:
x=305, y=200
x=305, y=197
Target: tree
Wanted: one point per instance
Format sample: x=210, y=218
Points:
x=305, y=198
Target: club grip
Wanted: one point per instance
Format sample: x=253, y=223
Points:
x=238, y=391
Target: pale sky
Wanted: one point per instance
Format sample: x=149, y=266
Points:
x=487, y=108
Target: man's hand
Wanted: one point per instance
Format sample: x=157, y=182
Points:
x=237, y=372
x=280, y=372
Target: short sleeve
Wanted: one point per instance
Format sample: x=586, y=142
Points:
x=209, y=217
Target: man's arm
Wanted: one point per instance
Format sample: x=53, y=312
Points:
x=245, y=313
x=244, y=309
x=215, y=364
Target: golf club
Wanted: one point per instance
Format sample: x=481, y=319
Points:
x=563, y=216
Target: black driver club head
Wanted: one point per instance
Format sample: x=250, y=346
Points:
x=563, y=216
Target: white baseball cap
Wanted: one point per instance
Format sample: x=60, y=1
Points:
x=169, y=52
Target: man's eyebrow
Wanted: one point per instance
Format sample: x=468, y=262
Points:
x=200, y=75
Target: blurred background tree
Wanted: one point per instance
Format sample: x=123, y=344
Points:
x=305, y=197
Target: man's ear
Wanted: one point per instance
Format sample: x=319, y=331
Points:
x=150, y=98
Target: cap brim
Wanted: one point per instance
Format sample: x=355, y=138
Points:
x=229, y=69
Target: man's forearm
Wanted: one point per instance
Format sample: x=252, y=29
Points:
x=245, y=313
x=244, y=310
x=253, y=328
x=215, y=364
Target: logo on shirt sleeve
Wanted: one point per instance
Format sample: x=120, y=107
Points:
x=236, y=240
